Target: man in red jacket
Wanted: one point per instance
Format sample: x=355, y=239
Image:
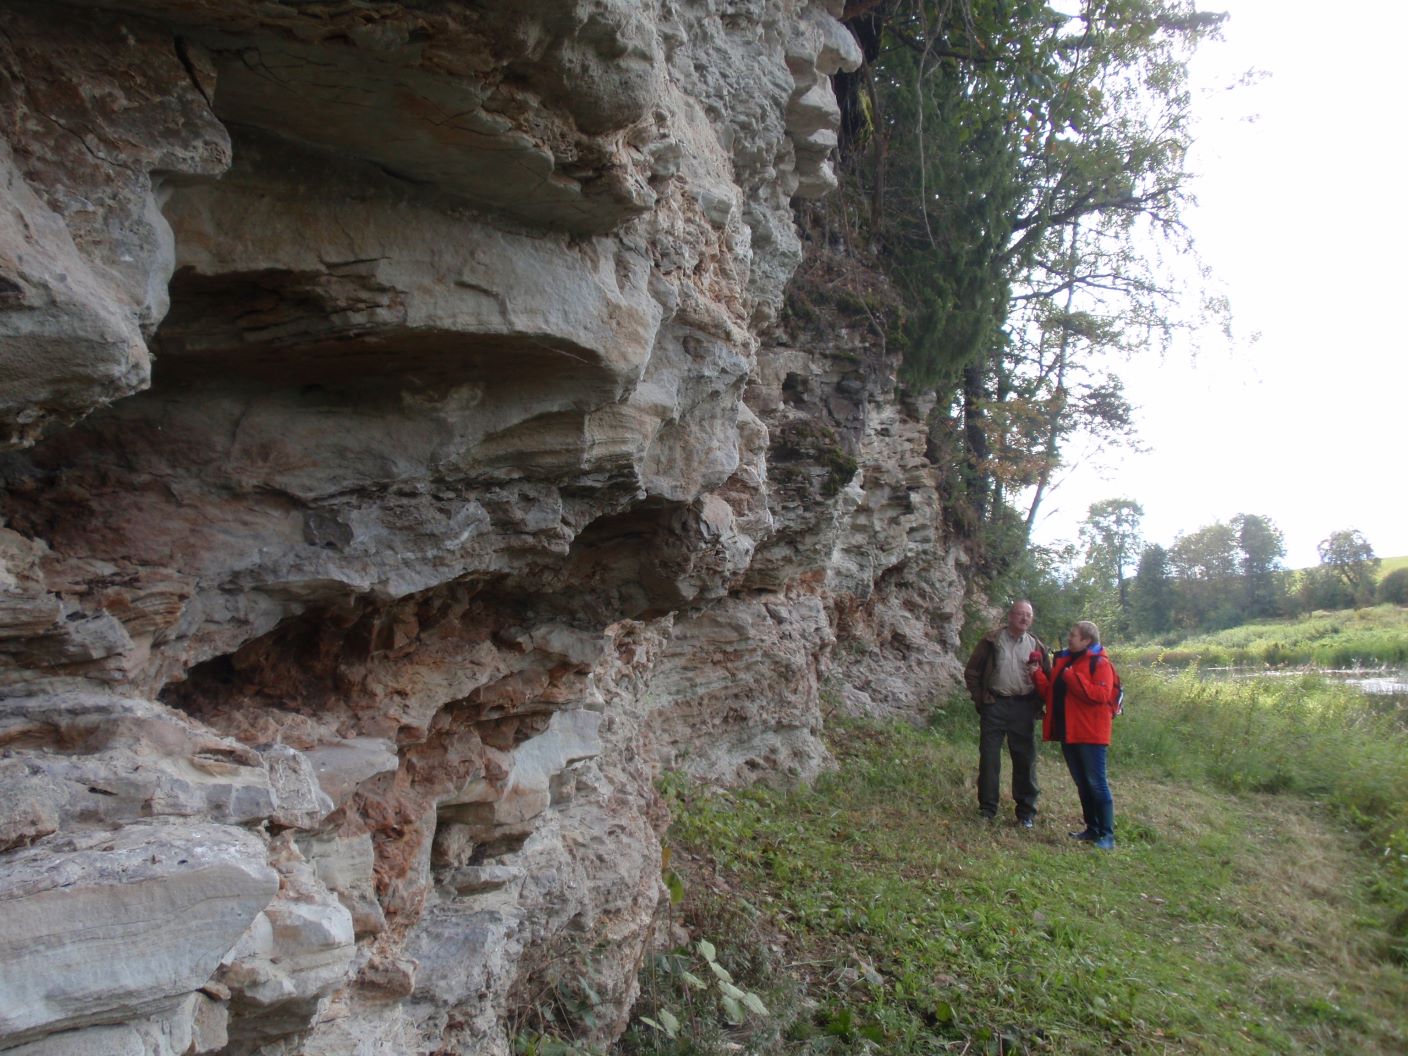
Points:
x=1081, y=693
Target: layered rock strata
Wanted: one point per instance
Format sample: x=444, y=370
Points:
x=404, y=462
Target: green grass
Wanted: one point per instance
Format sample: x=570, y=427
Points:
x=1392, y=564
x=1343, y=638
x=1247, y=908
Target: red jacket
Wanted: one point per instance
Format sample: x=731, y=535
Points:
x=1079, y=703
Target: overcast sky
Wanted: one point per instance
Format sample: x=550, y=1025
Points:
x=1301, y=215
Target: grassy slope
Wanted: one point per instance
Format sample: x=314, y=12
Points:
x=875, y=913
x=1330, y=639
x=1386, y=565
x=1392, y=564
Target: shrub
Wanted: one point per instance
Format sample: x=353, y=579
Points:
x=1393, y=588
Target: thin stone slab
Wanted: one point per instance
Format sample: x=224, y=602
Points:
x=125, y=922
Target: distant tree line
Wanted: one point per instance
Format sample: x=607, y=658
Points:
x=1220, y=575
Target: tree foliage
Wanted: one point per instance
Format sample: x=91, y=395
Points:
x=1014, y=160
x=1221, y=575
x=1348, y=556
x=1112, y=544
x=1206, y=566
x=1151, y=593
x=1262, y=546
x=1393, y=588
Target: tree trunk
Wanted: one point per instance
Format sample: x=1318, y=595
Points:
x=975, y=437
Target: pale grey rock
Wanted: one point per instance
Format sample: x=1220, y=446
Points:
x=299, y=801
x=27, y=610
x=371, y=285
x=469, y=491
x=404, y=269
x=31, y=802
x=341, y=766
x=463, y=952
x=597, y=60
x=65, y=348
x=93, y=1041
x=480, y=879
x=736, y=690
x=344, y=864
x=839, y=50
x=421, y=92
x=813, y=110
x=518, y=786
x=83, y=275
x=388, y=975
x=209, y=1025
x=294, y=955
x=110, y=925
x=486, y=926
x=441, y=116
x=195, y=1025
x=380, y=1029
x=561, y=640
x=100, y=759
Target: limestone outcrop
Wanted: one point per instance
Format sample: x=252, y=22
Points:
x=405, y=455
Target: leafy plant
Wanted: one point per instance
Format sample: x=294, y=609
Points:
x=690, y=1001
x=736, y=1002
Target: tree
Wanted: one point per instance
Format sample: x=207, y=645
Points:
x=1262, y=546
x=1112, y=543
x=1205, y=565
x=1225, y=574
x=1393, y=588
x=1151, y=593
x=1013, y=159
x=1347, y=556
x=1320, y=588
x=1047, y=577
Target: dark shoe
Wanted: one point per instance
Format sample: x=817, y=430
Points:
x=1085, y=835
x=1026, y=823
x=987, y=819
x=1105, y=843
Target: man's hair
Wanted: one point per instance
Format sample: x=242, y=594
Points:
x=1021, y=601
x=1089, y=630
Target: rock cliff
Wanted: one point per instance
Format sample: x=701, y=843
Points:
x=407, y=456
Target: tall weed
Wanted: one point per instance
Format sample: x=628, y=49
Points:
x=1349, y=638
x=1305, y=735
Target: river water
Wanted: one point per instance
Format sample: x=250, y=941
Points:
x=1387, y=685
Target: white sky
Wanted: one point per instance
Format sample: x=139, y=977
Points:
x=1302, y=217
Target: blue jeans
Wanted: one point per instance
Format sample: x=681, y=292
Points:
x=1086, y=763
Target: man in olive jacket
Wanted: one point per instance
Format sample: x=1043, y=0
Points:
x=1000, y=684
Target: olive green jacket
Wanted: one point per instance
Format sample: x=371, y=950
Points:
x=977, y=675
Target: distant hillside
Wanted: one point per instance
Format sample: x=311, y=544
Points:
x=1386, y=565
x=1392, y=564
x=1334, y=638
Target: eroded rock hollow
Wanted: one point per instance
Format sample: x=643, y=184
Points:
x=406, y=457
